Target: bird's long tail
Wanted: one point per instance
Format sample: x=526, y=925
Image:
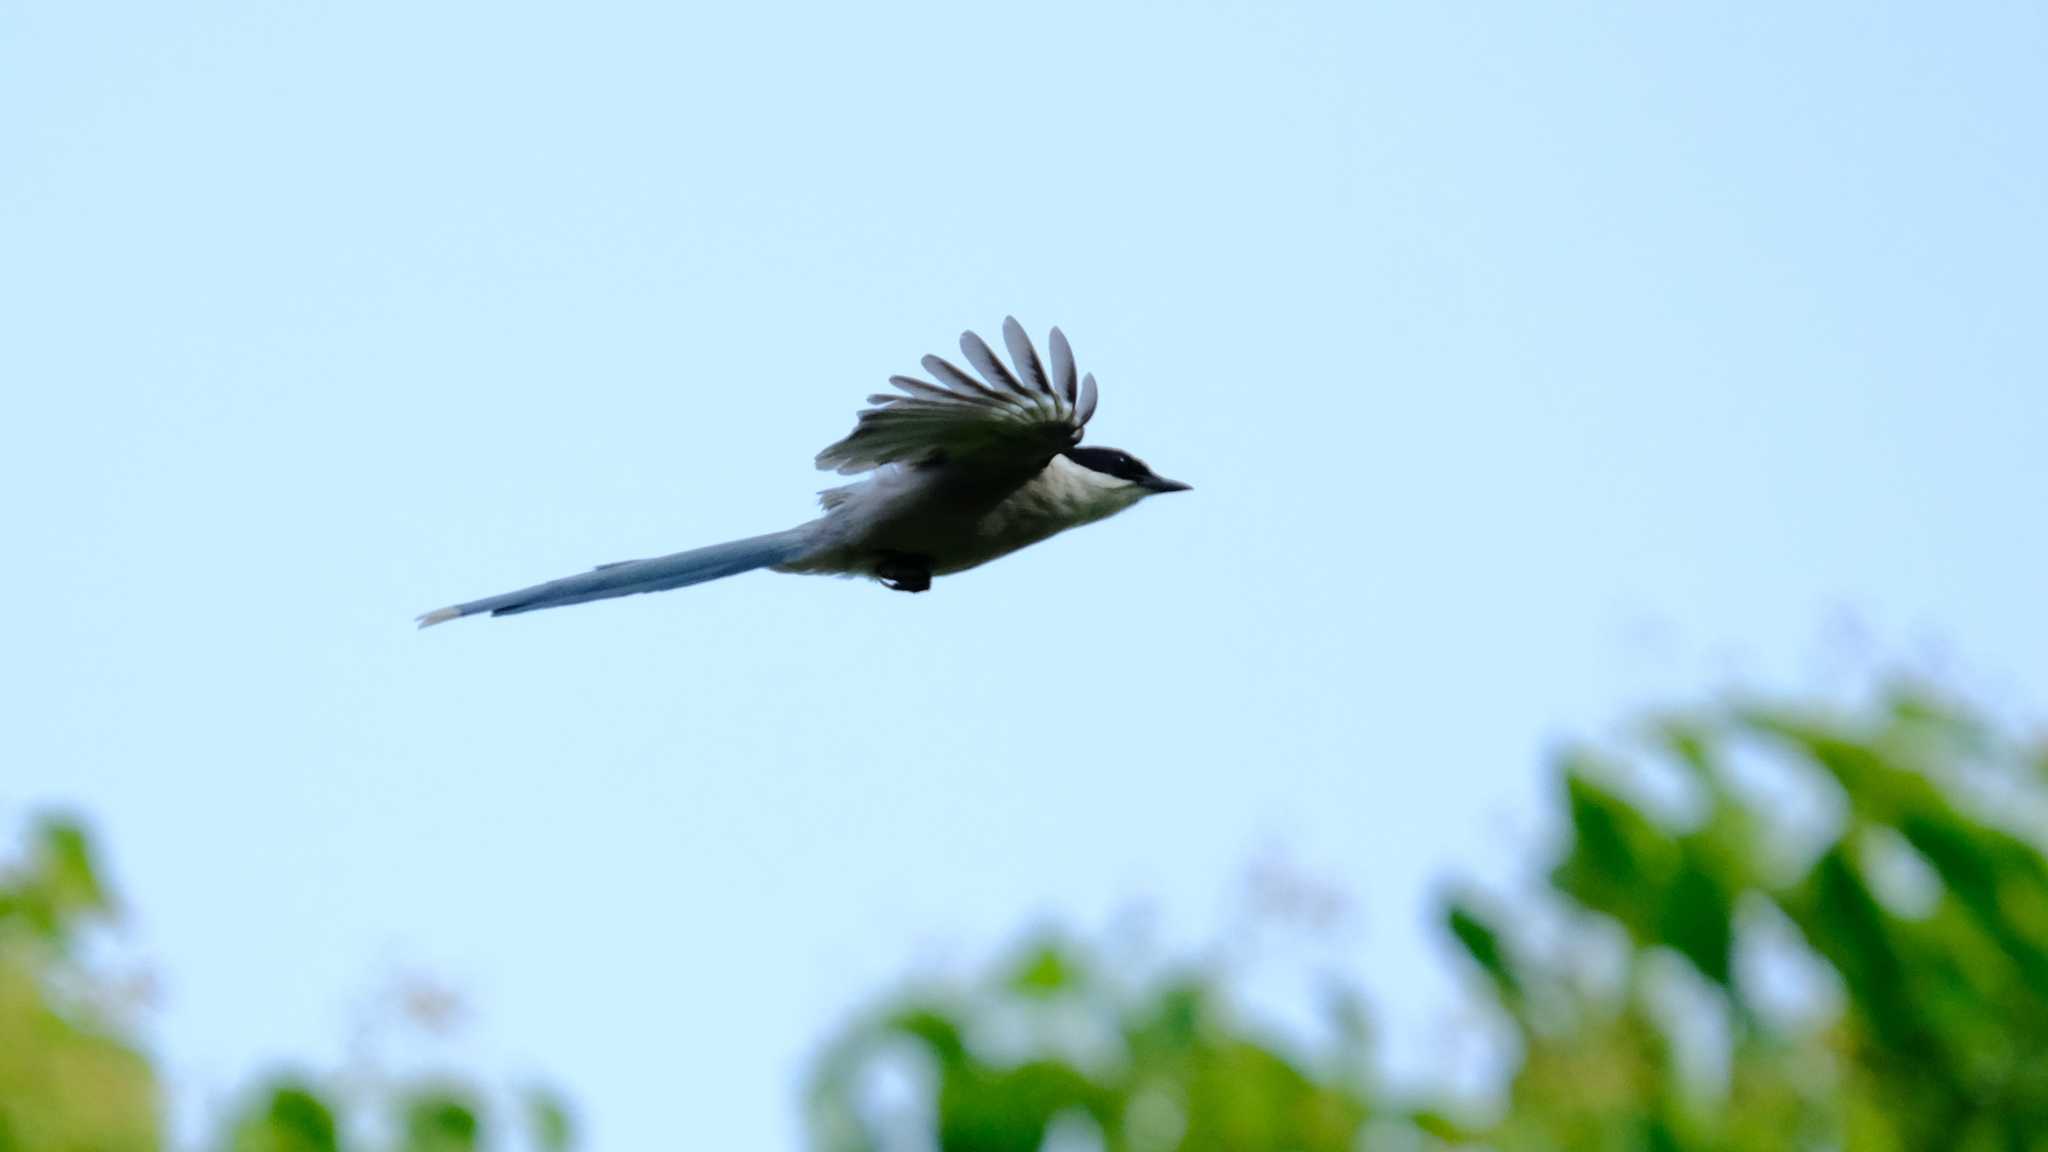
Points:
x=630, y=576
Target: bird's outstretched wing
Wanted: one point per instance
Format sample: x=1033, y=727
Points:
x=1006, y=419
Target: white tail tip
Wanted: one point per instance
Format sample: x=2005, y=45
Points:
x=440, y=616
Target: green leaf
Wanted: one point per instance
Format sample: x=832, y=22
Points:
x=1045, y=969
x=60, y=884
x=1620, y=861
x=1696, y=919
x=1693, y=744
x=1483, y=944
x=989, y=1110
x=549, y=1119
x=66, y=862
x=1844, y=922
x=441, y=1120
x=1997, y=878
x=292, y=1118
x=936, y=1029
x=1440, y=1124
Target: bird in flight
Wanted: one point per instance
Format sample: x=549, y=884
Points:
x=960, y=470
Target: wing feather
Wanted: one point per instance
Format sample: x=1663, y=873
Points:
x=992, y=370
x=950, y=375
x=1063, y=365
x=1024, y=356
x=1004, y=421
x=923, y=389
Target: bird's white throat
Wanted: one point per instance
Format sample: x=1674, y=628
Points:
x=1076, y=495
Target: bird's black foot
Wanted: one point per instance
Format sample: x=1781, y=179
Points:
x=905, y=573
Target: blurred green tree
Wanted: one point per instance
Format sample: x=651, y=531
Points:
x=1886, y=863
x=1056, y=1042
x=69, y=1080
x=1913, y=896
x=73, y=1080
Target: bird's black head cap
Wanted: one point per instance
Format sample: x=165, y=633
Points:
x=1124, y=466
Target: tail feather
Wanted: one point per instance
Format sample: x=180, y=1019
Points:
x=628, y=577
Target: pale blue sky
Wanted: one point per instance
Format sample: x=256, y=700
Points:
x=1526, y=363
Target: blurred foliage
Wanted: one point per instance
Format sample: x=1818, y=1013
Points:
x=1761, y=928
x=69, y=1080
x=72, y=1078
x=1051, y=1042
x=1642, y=991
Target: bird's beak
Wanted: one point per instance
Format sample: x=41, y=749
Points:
x=1162, y=484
